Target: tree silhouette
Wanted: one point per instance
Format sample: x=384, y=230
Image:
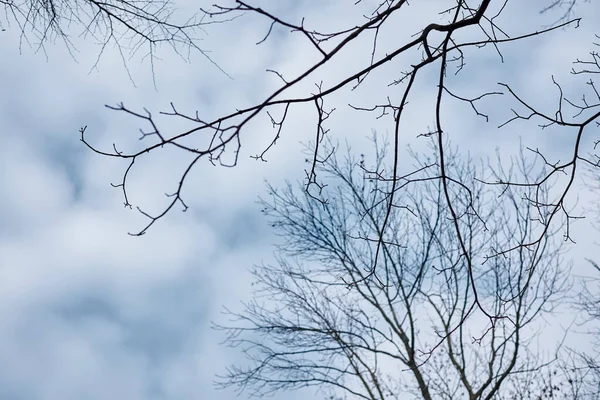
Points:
x=130, y=26
x=322, y=317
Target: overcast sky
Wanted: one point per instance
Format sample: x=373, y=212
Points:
x=88, y=312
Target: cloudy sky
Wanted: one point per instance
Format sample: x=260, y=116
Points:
x=89, y=312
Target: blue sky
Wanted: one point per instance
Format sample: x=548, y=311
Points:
x=88, y=312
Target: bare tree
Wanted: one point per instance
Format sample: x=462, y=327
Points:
x=584, y=366
x=323, y=317
x=128, y=25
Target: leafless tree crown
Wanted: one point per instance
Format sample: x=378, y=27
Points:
x=130, y=26
x=412, y=326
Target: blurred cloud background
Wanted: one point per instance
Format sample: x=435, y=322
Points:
x=88, y=312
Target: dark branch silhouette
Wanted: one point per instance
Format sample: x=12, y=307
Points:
x=438, y=46
x=130, y=26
